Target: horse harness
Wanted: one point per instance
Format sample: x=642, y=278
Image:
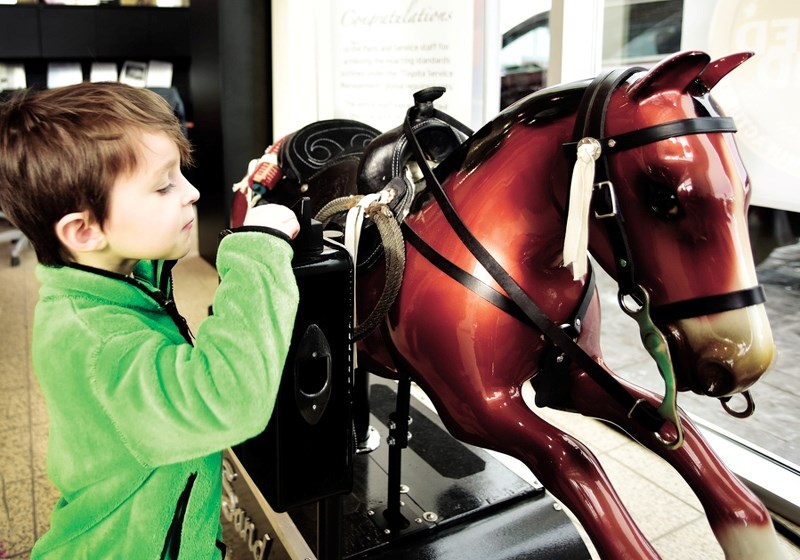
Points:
x=589, y=125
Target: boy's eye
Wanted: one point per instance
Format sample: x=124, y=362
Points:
x=165, y=190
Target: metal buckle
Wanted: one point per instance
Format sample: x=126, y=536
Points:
x=612, y=197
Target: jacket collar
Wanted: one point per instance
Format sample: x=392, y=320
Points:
x=151, y=279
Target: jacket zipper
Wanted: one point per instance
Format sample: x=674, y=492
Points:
x=164, y=287
x=172, y=542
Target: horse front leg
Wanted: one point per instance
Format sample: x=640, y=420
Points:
x=739, y=520
x=564, y=465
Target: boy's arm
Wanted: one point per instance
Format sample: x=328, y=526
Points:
x=173, y=401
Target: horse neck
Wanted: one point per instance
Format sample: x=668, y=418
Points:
x=516, y=168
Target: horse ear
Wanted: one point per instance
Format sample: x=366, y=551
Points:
x=676, y=72
x=718, y=69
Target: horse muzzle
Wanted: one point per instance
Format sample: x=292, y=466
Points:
x=721, y=354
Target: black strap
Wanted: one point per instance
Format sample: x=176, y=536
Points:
x=607, y=211
x=650, y=134
x=707, y=305
x=636, y=138
x=643, y=412
x=490, y=294
x=590, y=122
x=590, y=119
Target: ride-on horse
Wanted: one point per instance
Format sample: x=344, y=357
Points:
x=487, y=302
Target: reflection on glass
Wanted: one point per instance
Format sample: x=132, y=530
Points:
x=634, y=32
x=524, y=58
x=641, y=31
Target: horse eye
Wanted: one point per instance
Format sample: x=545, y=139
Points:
x=663, y=201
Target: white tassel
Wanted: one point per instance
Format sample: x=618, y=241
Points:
x=576, y=240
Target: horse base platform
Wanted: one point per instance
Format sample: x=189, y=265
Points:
x=456, y=501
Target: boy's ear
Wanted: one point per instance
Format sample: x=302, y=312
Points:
x=79, y=232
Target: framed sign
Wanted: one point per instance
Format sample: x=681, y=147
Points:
x=360, y=60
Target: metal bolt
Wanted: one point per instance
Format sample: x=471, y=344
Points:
x=370, y=512
x=390, y=440
x=418, y=520
x=623, y=263
x=557, y=506
x=611, y=142
x=404, y=489
x=560, y=358
x=430, y=516
x=387, y=531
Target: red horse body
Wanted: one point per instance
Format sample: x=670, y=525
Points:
x=684, y=198
x=511, y=192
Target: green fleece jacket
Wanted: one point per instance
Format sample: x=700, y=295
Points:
x=138, y=414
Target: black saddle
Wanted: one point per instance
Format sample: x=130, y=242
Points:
x=334, y=158
x=320, y=161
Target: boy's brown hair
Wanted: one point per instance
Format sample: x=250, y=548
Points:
x=61, y=151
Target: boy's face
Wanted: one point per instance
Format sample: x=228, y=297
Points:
x=150, y=211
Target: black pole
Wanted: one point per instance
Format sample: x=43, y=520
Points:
x=398, y=440
x=329, y=528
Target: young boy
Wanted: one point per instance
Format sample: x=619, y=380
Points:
x=139, y=412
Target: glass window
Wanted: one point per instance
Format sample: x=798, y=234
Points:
x=641, y=31
x=524, y=58
x=635, y=32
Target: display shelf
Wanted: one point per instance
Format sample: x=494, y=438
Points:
x=38, y=34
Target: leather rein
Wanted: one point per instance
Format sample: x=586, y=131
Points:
x=590, y=120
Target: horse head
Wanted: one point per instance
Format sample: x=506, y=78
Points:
x=680, y=184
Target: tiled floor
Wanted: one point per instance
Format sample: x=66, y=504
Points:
x=675, y=524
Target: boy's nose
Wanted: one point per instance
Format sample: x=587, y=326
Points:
x=192, y=194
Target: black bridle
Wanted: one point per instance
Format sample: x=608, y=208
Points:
x=590, y=123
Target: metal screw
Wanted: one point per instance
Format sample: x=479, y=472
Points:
x=623, y=263
x=611, y=142
x=404, y=489
x=418, y=520
x=370, y=513
x=557, y=506
x=430, y=516
x=387, y=531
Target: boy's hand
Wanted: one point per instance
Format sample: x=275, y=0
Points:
x=273, y=216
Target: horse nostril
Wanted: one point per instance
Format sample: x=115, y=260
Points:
x=714, y=379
